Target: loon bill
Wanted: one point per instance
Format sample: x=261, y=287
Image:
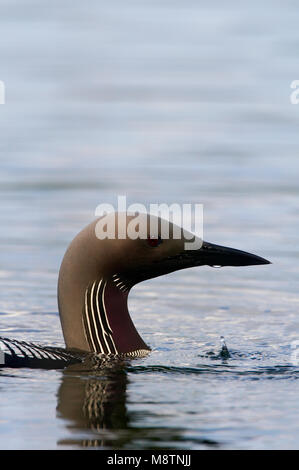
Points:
x=95, y=278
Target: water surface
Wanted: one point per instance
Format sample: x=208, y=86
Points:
x=164, y=102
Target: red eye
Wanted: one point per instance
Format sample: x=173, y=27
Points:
x=154, y=241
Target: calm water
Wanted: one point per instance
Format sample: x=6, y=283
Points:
x=164, y=101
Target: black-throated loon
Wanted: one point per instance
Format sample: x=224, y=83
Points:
x=95, y=278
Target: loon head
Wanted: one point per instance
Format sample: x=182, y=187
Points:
x=97, y=274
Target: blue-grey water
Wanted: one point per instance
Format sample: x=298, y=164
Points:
x=161, y=101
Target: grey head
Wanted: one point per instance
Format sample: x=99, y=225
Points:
x=96, y=276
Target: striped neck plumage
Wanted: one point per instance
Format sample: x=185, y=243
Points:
x=106, y=320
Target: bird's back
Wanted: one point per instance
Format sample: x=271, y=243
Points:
x=14, y=353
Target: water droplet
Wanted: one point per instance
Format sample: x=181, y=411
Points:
x=224, y=351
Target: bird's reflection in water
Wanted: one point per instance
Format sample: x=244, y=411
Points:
x=93, y=402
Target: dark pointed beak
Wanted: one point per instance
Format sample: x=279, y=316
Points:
x=216, y=255
x=208, y=255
